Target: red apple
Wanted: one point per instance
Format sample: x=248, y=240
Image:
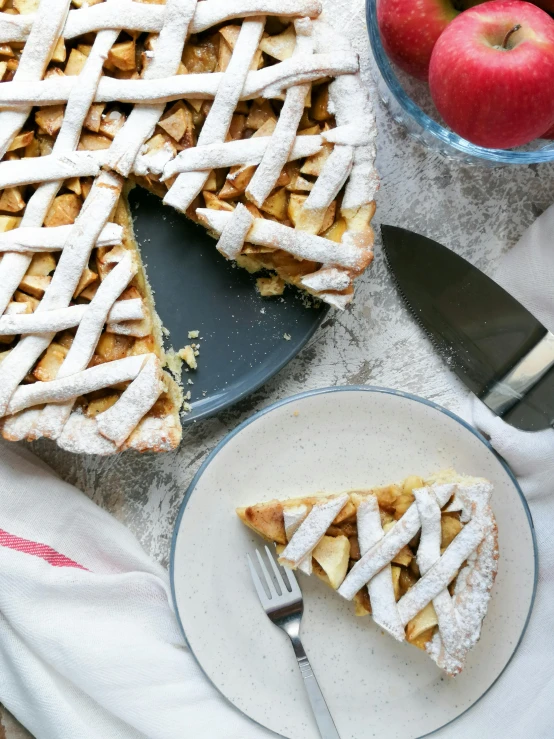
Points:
x=409, y=30
x=491, y=74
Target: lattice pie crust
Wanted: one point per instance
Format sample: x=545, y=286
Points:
x=247, y=115
x=420, y=557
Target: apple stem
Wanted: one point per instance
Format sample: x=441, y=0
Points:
x=510, y=32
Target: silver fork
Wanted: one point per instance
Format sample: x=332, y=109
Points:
x=285, y=609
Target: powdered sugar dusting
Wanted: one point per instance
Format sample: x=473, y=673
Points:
x=429, y=552
x=312, y=530
x=292, y=518
x=118, y=421
x=473, y=586
x=327, y=279
x=380, y=588
x=277, y=155
x=80, y=436
x=234, y=232
x=35, y=239
x=231, y=153
x=442, y=572
x=384, y=551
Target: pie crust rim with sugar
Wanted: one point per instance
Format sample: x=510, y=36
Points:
x=421, y=556
x=70, y=224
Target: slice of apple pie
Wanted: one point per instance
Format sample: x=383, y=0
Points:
x=419, y=556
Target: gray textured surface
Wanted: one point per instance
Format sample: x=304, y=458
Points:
x=478, y=212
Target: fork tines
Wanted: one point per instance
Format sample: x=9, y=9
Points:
x=269, y=588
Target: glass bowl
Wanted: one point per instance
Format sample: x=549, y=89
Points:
x=409, y=102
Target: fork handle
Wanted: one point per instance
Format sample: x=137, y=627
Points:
x=322, y=715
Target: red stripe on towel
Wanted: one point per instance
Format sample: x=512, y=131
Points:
x=37, y=550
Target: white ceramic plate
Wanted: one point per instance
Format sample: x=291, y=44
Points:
x=333, y=440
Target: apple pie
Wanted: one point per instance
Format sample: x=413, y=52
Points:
x=420, y=556
x=249, y=116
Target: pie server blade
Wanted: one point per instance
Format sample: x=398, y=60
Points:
x=495, y=346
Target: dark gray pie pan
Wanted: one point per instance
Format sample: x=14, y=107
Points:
x=242, y=342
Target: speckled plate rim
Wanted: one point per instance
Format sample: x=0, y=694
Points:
x=338, y=389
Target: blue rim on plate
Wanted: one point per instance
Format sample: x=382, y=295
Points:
x=348, y=388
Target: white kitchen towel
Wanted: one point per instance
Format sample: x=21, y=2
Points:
x=89, y=645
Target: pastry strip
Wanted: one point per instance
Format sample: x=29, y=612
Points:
x=234, y=233
x=312, y=530
x=351, y=106
x=380, y=588
x=54, y=417
x=329, y=278
x=87, y=381
x=231, y=153
x=281, y=76
x=336, y=299
x=64, y=318
x=187, y=186
x=351, y=134
x=14, y=266
x=51, y=167
x=40, y=239
x=135, y=16
x=303, y=245
x=119, y=421
x=292, y=518
x=333, y=176
x=471, y=596
x=80, y=435
x=216, y=11
x=276, y=156
x=74, y=257
x=429, y=552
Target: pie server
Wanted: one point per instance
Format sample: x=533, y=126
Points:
x=495, y=346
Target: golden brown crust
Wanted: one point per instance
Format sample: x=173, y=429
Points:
x=265, y=519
